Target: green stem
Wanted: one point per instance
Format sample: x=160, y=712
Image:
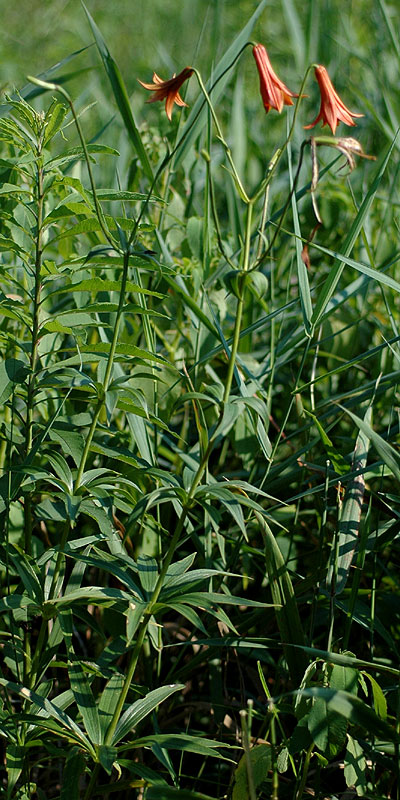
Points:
x=55, y=87
x=43, y=628
x=93, y=782
x=275, y=773
x=108, y=373
x=220, y=135
x=246, y=748
x=279, y=153
x=142, y=630
x=300, y=791
x=38, y=652
x=239, y=308
x=35, y=337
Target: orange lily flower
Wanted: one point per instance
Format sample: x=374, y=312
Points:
x=332, y=109
x=274, y=93
x=168, y=90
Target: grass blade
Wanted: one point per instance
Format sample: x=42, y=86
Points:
x=302, y=274
x=387, y=453
x=336, y=271
x=284, y=598
x=350, y=520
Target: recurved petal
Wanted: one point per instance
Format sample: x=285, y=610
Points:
x=179, y=102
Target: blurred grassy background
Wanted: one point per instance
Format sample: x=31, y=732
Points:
x=361, y=52
x=166, y=35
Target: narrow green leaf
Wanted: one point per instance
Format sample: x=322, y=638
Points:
x=334, y=275
x=55, y=117
x=26, y=571
x=14, y=764
x=286, y=610
x=302, y=274
x=184, y=742
x=380, y=704
x=349, y=522
x=107, y=755
x=209, y=599
x=177, y=285
x=109, y=700
x=12, y=373
x=85, y=701
x=141, y=708
x=75, y=153
x=51, y=711
x=387, y=453
x=339, y=464
x=148, y=573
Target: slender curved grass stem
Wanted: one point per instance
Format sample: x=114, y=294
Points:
x=239, y=308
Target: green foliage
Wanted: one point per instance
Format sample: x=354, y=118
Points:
x=199, y=430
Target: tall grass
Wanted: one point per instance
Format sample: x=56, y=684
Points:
x=199, y=434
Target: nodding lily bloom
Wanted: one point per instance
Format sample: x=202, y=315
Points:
x=274, y=93
x=168, y=90
x=332, y=109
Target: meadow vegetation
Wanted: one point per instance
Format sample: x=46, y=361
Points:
x=199, y=403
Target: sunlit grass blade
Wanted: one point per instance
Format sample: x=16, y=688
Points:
x=348, y=660
x=141, y=708
x=296, y=35
x=51, y=711
x=287, y=613
x=28, y=92
x=387, y=453
x=391, y=29
x=336, y=271
x=349, y=522
x=302, y=274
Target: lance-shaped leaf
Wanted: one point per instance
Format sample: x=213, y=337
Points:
x=302, y=273
x=109, y=701
x=79, y=683
x=336, y=271
x=51, y=711
x=141, y=708
x=72, y=771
